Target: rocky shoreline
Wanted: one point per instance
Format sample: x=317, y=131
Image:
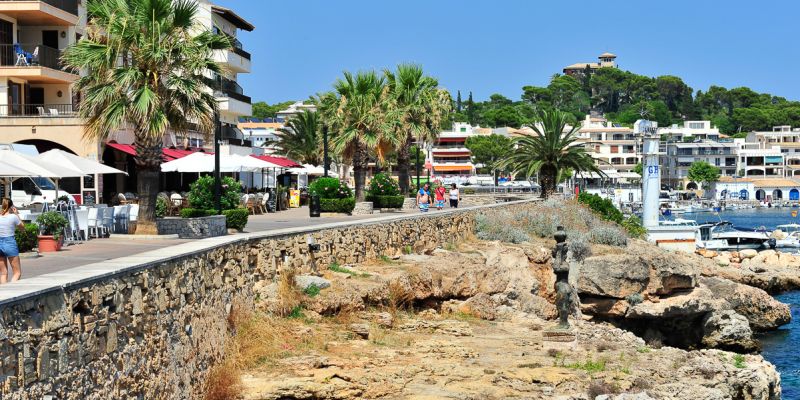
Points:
x=468, y=322
x=772, y=271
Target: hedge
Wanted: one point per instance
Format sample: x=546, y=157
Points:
x=236, y=218
x=196, y=213
x=387, y=201
x=344, y=206
x=329, y=188
x=27, y=238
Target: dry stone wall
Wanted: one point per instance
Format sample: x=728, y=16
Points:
x=153, y=332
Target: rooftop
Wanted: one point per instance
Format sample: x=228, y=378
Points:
x=234, y=18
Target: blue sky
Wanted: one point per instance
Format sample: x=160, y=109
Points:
x=300, y=47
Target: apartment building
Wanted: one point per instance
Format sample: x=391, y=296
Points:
x=611, y=145
x=783, y=138
x=448, y=155
x=261, y=133
x=295, y=108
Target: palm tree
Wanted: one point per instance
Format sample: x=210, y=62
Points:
x=421, y=107
x=550, y=151
x=145, y=63
x=300, y=138
x=358, y=113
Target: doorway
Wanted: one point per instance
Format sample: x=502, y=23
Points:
x=50, y=39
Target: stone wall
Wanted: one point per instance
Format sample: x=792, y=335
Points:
x=193, y=228
x=152, y=331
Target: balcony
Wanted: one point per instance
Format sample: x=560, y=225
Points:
x=224, y=87
x=38, y=110
x=41, y=12
x=34, y=62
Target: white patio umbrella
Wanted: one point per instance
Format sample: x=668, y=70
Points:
x=39, y=168
x=313, y=170
x=88, y=167
x=202, y=162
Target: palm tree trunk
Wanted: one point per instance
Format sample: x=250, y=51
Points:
x=359, y=170
x=148, y=163
x=548, y=176
x=404, y=165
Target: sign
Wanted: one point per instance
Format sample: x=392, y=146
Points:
x=88, y=198
x=428, y=165
x=294, y=198
x=652, y=172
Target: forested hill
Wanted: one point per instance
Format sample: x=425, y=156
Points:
x=622, y=95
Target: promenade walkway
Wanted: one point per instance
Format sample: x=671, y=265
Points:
x=99, y=250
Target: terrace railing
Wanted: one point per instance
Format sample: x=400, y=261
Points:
x=38, y=110
x=228, y=88
x=30, y=55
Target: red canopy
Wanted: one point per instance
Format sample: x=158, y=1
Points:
x=168, y=153
x=282, y=161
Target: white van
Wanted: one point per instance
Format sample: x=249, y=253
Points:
x=26, y=191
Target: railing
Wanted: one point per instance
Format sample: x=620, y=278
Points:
x=37, y=110
x=229, y=88
x=70, y=6
x=238, y=48
x=30, y=55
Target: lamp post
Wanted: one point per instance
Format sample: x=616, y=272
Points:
x=325, y=162
x=217, y=176
x=418, y=168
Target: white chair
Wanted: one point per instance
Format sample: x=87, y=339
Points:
x=54, y=112
x=82, y=219
x=121, y=219
x=41, y=111
x=133, y=215
x=108, y=220
x=93, y=218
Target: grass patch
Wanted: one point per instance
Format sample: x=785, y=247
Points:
x=386, y=259
x=296, y=313
x=738, y=361
x=223, y=382
x=312, y=290
x=643, y=349
x=407, y=249
x=335, y=267
x=589, y=366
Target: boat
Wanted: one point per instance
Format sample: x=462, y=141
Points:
x=792, y=238
x=679, y=222
x=722, y=236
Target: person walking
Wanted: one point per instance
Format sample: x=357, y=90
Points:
x=455, y=196
x=424, y=198
x=439, y=194
x=9, y=252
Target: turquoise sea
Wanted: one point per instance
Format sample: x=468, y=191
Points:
x=753, y=218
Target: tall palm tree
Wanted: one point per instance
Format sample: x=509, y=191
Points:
x=300, y=138
x=550, y=151
x=358, y=113
x=146, y=62
x=421, y=107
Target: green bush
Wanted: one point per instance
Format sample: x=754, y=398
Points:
x=196, y=213
x=329, y=188
x=395, y=201
x=469, y=191
x=634, y=227
x=382, y=185
x=344, y=206
x=162, y=203
x=236, y=218
x=602, y=206
x=201, y=195
x=52, y=223
x=27, y=238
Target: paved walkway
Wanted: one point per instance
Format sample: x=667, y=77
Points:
x=99, y=250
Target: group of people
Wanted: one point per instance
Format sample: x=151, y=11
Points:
x=440, y=193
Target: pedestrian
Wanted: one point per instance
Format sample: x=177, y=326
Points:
x=455, y=196
x=9, y=252
x=439, y=196
x=424, y=198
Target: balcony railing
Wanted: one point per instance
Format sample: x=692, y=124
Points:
x=70, y=6
x=228, y=88
x=30, y=55
x=38, y=110
x=239, y=49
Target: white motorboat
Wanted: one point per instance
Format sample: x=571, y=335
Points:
x=679, y=222
x=722, y=236
x=791, y=238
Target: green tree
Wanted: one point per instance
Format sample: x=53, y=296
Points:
x=470, y=109
x=489, y=150
x=703, y=173
x=552, y=150
x=639, y=169
x=420, y=107
x=263, y=110
x=359, y=115
x=300, y=138
x=145, y=63
x=458, y=102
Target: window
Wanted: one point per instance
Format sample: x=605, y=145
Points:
x=696, y=125
x=463, y=129
x=615, y=149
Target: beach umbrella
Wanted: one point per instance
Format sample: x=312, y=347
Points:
x=38, y=167
x=88, y=167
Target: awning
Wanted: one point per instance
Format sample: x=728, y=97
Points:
x=773, y=159
x=168, y=153
x=451, y=154
x=282, y=161
x=452, y=139
x=452, y=168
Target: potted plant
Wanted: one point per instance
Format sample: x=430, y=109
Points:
x=52, y=225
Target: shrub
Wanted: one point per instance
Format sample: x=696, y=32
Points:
x=162, y=203
x=52, y=223
x=236, y=218
x=387, y=201
x=578, y=246
x=497, y=229
x=383, y=185
x=600, y=387
x=329, y=188
x=634, y=298
x=27, y=237
x=195, y=213
x=602, y=206
x=608, y=235
x=469, y=191
x=201, y=195
x=344, y=206
x=634, y=227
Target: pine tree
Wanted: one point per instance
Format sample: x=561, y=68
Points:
x=458, y=102
x=470, y=110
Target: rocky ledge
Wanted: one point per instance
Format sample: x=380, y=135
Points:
x=772, y=271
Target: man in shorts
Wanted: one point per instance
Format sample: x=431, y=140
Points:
x=424, y=198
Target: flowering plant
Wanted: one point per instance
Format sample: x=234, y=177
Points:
x=329, y=188
x=383, y=185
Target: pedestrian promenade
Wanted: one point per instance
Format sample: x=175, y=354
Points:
x=99, y=250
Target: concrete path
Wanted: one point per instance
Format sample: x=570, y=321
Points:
x=99, y=250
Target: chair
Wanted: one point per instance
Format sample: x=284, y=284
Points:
x=249, y=204
x=82, y=219
x=41, y=111
x=92, y=219
x=35, y=56
x=258, y=203
x=23, y=58
x=121, y=218
x=108, y=220
x=133, y=216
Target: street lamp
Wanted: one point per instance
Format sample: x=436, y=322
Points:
x=325, y=162
x=217, y=176
x=419, y=172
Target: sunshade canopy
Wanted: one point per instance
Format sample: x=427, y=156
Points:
x=38, y=167
x=88, y=167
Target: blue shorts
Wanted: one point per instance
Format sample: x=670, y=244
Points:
x=439, y=203
x=424, y=207
x=8, y=247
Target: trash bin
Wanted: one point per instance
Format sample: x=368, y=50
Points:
x=313, y=206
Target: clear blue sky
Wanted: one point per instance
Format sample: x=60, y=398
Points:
x=300, y=47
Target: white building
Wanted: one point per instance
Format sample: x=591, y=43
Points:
x=611, y=145
x=691, y=131
x=294, y=109
x=261, y=134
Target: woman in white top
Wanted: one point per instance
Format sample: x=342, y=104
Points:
x=455, y=196
x=9, y=252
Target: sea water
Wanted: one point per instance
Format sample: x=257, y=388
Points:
x=752, y=218
x=780, y=348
